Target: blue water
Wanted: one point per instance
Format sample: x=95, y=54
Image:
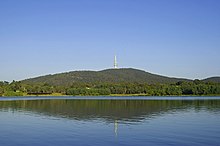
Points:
x=94, y=121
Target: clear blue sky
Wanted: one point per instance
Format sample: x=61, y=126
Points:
x=176, y=38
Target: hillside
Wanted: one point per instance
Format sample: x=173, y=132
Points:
x=109, y=76
x=212, y=79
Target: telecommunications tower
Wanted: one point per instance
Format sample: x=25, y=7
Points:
x=115, y=62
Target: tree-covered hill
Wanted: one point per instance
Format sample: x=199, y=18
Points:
x=127, y=75
x=212, y=79
x=125, y=81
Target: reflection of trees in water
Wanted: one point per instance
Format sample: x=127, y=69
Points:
x=122, y=110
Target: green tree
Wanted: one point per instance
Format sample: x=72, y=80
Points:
x=1, y=91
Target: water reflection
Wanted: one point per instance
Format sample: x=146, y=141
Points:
x=110, y=122
x=112, y=111
x=116, y=128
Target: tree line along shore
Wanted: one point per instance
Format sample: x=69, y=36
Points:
x=181, y=88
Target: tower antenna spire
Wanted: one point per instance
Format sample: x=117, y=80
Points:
x=115, y=62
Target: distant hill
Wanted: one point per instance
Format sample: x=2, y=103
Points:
x=212, y=79
x=128, y=75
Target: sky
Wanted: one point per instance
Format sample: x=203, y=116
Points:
x=175, y=38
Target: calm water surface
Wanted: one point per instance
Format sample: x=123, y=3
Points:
x=134, y=121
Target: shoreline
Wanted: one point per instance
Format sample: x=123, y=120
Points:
x=112, y=95
x=146, y=98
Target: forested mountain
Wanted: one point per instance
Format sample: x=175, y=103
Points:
x=127, y=75
x=125, y=81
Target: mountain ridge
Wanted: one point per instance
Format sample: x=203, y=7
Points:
x=129, y=75
x=212, y=79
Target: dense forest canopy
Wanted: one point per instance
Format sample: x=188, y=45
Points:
x=110, y=82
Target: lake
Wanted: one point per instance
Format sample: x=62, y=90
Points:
x=109, y=121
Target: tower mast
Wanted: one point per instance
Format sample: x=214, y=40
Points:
x=115, y=62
